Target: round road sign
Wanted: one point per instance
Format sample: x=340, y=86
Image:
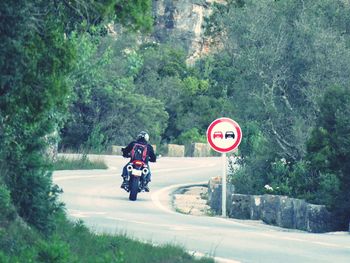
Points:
x=224, y=135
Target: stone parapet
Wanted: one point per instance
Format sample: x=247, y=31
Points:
x=175, y=150
x=116, y=149
x=272, y=209
x=198, y=150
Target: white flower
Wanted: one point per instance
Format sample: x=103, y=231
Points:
x=128, y=51
x=267, y=187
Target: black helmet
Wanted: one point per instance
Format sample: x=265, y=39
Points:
x=143, y=135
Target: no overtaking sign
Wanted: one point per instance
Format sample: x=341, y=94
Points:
x=224, y=135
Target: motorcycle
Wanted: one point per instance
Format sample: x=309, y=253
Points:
x=137, y=172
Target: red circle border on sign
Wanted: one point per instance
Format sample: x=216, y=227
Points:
x=231, y=148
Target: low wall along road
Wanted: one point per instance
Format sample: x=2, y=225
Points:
x=176, y=150
x=272, y=209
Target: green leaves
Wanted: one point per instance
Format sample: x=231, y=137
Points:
x=191, y=136
x=328, y=150
x=7, y=209
x=135, y=14
x=328, y=145
x=277, y=62
x=194, y=86
x=38, y=52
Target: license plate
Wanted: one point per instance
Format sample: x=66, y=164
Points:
x=137, y=172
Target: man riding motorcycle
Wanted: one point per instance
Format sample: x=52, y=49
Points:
x=138, y=150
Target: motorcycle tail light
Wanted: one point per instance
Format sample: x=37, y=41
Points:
x=138, y=163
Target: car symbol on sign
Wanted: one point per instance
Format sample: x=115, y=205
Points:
x=218, y=134
x=229, y=134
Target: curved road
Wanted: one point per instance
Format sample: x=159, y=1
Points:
x=95, y=197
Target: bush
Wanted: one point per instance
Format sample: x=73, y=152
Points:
x=278, y=177
x=4, y=258
x=190, y=136
x=329, y=152
x=35, y=197
x=254, y=162
x=247, y=180
x=323, y=177
x=6, y=207
x=55, y=251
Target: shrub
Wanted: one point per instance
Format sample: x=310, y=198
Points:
x=190, y=136
x=329, y=152
x=4, y=258
x=6, y=207
x=54, y=251
x=247, y=180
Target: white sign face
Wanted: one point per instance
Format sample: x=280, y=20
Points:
x=224, y=135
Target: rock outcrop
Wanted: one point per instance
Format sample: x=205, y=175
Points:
x=272, y=209
x=182, y=21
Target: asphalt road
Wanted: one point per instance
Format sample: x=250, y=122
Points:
x=95, y=196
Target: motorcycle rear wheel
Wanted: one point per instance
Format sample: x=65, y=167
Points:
x=134, y=188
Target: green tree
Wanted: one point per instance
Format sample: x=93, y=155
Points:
x=329, y=152
x=107, y=107
x=277, y=59
x=37, y=55
x=185, y=91
x=35, y=58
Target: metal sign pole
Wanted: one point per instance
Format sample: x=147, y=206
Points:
x=223, y=205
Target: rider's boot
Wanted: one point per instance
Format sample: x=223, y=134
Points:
x=125, y=183
x=146, y=187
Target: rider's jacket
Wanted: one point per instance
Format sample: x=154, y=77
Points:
x=150, y=152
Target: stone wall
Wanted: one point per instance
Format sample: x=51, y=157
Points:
x=214, y=194
x=175, y=150
x=116, y=149
x=272, y=209
x=198, y=150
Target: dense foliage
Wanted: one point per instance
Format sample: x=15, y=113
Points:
x=35, y=58
x=122, y=87
x=280, y=62
x=329, y=153
x=37, y=53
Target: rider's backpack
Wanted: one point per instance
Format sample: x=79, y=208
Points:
x=139, y=152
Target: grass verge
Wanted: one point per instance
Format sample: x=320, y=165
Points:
x=74, y=242
x=78, y=163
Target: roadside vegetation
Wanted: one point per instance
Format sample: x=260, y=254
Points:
x=77, y=163
x=76, y=73
x=45, y=52
x=73, y=242
x=284, y=65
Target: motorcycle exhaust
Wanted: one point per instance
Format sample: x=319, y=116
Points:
x=145, y=171
x=129, y=168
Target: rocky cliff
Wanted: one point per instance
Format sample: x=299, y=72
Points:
x=182, y=21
